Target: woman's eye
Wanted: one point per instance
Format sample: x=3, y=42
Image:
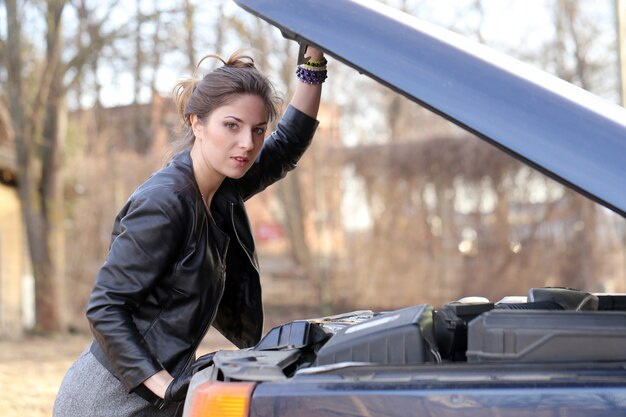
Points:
x=259, y=131
x=231, y=125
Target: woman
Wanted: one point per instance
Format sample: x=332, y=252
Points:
x=182, y=254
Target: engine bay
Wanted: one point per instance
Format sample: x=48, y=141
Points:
x=549, y=325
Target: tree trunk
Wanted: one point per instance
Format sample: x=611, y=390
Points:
x=48, y=275
x=190, y=30
x=32, y=186
x=50, y=282
x=39, y=137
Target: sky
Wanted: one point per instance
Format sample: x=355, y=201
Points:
x=512, y=26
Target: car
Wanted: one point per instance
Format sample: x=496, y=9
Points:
x=550, y=352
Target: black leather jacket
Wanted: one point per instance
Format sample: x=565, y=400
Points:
x=171, y=272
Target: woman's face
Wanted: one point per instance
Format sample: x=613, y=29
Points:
x=230, y=138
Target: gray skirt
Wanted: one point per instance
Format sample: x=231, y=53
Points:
x=90, y=390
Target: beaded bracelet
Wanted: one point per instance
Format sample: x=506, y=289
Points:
x=312, y=71
x=310, y=76
x=316, y=62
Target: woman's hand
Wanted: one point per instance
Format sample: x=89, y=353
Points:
x=313, y=53
x=159, y=382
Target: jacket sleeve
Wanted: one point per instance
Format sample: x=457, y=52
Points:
x=280, y=153
x=150, y=233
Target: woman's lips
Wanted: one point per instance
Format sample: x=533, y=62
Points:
x=240, y=160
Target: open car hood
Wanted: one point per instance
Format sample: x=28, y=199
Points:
x=566, y=132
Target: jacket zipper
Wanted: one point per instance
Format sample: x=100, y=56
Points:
x=232, y=219
x=223, y=287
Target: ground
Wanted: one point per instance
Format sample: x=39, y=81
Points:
x=31, y=370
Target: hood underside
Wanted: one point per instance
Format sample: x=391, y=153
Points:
x=565, y=132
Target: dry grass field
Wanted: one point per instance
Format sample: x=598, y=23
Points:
x=31, y=370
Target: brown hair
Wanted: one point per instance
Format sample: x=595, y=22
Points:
x=235, y=77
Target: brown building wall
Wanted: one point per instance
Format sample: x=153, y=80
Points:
x=13, y=263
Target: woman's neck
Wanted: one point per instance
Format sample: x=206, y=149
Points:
x=207, y=180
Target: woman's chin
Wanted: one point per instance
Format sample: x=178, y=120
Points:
x=237, y=174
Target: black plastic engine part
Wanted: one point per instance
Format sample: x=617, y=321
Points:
x=398, y=337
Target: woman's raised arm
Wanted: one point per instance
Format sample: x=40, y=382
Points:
x=306, y=97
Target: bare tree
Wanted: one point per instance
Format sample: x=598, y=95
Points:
x=571, y=50
x=39, y=136
x=190, y=29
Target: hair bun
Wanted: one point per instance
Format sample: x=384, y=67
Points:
x=237, y=60
x=240, y=60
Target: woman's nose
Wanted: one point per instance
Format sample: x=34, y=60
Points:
x=246, y=140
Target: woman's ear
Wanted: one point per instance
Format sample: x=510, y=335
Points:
x=195, y=124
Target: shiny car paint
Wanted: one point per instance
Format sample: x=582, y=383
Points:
x=402, y=400
x=455, y=390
